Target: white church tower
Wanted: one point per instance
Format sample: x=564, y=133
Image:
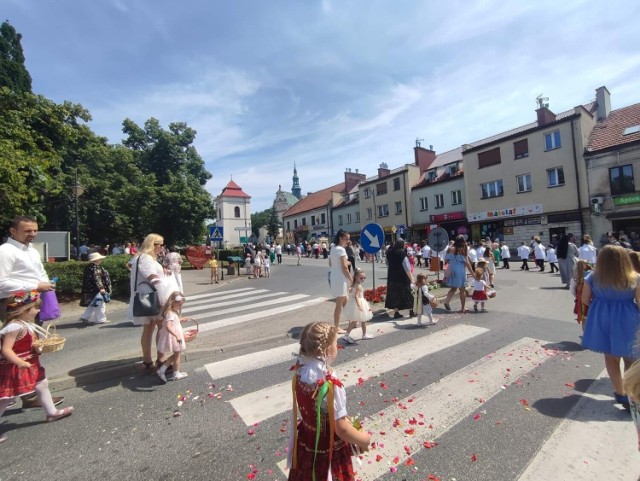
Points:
x=234, y=214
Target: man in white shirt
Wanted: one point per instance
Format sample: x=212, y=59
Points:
x=505, y=254
x=426, y=254
x=21, y=270
x=540, y=253
x=472, y=254
x=279, y=253
x=523, y=252
x=480, y=250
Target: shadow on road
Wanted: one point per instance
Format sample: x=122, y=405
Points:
x=569, y=346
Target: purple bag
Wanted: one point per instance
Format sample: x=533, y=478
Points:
x=50, y=308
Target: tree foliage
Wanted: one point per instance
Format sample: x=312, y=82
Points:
x=13, y=73
x=258, y=220
x=273, y=225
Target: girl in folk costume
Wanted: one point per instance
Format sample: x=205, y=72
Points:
x=422, y=299
x=171, y=338
x=583, y=268
x=480, y=288
x=20, y=369
x=321, y=400
x=357, y=308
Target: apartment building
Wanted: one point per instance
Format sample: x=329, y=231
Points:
x=346, y=212
x=531, y=180
x=384, y=199
x=612, y=160
x=437, y=199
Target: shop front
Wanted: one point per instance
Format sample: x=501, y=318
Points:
x=455, y=223
x=512, y=225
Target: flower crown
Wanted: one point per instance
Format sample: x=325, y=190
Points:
x=22, y=298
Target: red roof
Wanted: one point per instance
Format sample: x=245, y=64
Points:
x=233, y=190
x=314, y=200
x=610, y=132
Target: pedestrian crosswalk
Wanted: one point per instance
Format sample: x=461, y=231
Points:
x=216, y=310
x=431, y=428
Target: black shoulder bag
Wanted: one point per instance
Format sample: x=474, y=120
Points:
x=145, y=304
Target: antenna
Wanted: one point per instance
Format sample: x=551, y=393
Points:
x=418, y=142
x=540, y=100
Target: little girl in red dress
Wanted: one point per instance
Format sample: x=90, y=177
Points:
x=326, y=457
x=20, y=369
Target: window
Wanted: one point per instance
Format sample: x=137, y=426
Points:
x=396, y=184
x=555, y=177
x=369, y=213
x=295, y=223
x=322, y=218
x=357, y=216
x=521, y=149
x=304, y=221
x=383, y=210
x=452, y=169
x=398, y=208
x=524, y=183
x=348, y=218
x=621, y=180
x=313, y=220
x=381, y=188
x=288, y=225
x=236, y=212
x=492, y=189
x=439, y=199
x=424, y=204
x=367, y=193
x=456, y=197
x=552, y=140
x=489, y=157
x=431, y=175
x=339, y=220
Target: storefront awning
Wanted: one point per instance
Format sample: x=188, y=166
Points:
x=624, y=214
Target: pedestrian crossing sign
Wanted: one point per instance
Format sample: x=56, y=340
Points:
x=215, y=233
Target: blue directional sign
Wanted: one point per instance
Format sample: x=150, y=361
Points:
x=371, y=238
x=215, y=233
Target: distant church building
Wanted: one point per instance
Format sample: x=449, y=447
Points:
x=285, y=200
x=234, y=211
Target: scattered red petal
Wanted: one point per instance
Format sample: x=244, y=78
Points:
x=378, y=458
x=407, y=450
x=396, y=460
x=476, y=417
x=524, y=402
x=474, y=458
x=413, y=421
x=384, y=386
x=409, y=462
x=251, y=432
x=410, y=431
x=393, y=469
x=429, y=444
x=569, y=384
x=433, y=477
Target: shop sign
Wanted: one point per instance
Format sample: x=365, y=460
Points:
x=447, y=217
x=508, y=212
x=319, y=227
x=302, y=228
x=627, y=199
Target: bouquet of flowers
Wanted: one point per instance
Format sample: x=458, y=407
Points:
x=357, y=424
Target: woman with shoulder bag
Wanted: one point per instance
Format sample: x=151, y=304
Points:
x=147, y=275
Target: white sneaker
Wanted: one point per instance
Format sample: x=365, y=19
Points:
x=161, y=374
x=348, y=339
x=179, y=375
x=435, y=321
x=367, y=336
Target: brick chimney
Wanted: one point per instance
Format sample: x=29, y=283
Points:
x=545, y=116
x=424, y=157
x=603, y=99
x=351, y=179
x=383, y=170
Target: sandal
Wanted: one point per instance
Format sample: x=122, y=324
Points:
x=63, y=413
x=149, y=367
x=447, y=306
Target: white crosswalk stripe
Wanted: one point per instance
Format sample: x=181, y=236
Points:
x=588, y=444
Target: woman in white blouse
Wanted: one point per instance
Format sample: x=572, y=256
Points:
x=587, y=251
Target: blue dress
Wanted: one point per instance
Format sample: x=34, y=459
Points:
x=612, y=322
x=457, y=270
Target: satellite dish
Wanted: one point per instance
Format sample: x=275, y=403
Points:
x=438, y=239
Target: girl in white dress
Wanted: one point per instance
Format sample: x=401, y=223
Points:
x=420, y=307
x=357, y=308
x=171, y=337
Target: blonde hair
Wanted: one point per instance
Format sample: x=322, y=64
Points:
x=148, y=244
x=421, y=280
x=631, y=382
x=168, y=306
x=614, y=268
x=635, y=260
x=316, y=337
x=356, y=273
x=8, y=315
x=478, y=273
x=582, y=267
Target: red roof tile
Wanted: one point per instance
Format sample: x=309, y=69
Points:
x=314, y=200
x=233, y=190
x=610, y=132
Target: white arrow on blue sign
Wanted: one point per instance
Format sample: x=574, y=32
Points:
x=371, y=238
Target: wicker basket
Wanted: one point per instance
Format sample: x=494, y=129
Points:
x=190, y=334
x=51, y=342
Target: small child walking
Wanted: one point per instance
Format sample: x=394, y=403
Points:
x=582, y=269
x=20, y=369
x=552, y=257
x=480, y=288
x=213, y=265
x=171, y=338
x=266, y=267
x=357, y=308
x=313, y=454
x=421, y=301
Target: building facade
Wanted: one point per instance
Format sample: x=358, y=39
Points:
x=233, y=207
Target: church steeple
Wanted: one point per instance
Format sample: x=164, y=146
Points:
x=295, y=188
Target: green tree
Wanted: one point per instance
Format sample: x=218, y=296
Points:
x=273, y=224
x=258, y=220
x=13, y=73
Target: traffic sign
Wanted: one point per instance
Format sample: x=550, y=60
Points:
x=371, y=238
x=438, y=239
x=242, y=228
x=215, y=233
x=401, y=229
x=244, y=239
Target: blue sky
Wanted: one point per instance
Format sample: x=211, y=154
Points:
x=327, y=84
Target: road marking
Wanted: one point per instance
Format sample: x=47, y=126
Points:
x=590, y=443
x=246, y=295
x=210, y=326
x=251, y=299
x=447, y=402
x=240, y=307
x=271, y=401
x=219, y=293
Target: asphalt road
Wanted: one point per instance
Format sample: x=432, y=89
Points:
x=503, y=395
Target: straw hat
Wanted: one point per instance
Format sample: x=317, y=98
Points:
x=96, y=256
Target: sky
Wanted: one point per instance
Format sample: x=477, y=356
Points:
x=325, y=85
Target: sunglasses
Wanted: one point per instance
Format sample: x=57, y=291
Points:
x=158, y=244
x=362, y=278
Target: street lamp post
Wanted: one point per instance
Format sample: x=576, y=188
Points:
x=78, y=190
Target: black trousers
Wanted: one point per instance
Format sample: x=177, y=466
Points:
x=540, y=264
x=505, y=263
x=525, y=265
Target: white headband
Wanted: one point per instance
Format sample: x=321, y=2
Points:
x=180, y=298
